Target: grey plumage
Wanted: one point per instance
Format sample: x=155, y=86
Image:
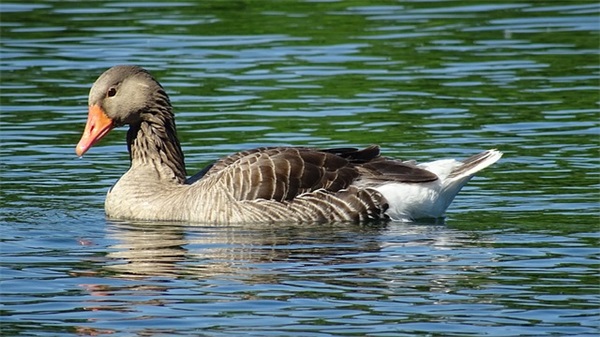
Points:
x=270, y=184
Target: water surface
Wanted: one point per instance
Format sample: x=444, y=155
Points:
x=516, y=255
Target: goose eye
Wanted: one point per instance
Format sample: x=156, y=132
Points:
x=111, y=92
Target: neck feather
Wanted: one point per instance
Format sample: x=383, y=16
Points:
x=154, y=140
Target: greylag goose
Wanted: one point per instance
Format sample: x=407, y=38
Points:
x=269, y=184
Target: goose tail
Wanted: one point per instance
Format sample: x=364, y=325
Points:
x=430, y=200
x=474, y=164
x=457, y=174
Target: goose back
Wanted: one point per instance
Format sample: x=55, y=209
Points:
x=283, y=173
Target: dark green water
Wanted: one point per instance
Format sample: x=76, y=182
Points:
x=517, y=254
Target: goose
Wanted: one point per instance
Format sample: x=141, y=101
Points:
x=262, y=185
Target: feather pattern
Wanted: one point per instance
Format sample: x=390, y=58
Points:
x=268, y=184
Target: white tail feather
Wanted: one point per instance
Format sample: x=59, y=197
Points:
x=409, y=201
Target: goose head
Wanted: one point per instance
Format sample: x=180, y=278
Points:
x=119, y=96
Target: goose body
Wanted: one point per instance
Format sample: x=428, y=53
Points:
x=271, y=184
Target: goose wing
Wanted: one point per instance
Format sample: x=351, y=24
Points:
x=283, y=173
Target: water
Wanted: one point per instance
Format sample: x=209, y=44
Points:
x=517, y=254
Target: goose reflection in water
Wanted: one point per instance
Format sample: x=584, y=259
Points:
x=209, y=267
x=150, y=249
x=266, y=254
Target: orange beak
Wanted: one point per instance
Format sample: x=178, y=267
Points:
x=98, y=125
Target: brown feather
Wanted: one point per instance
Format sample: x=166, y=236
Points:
x=283, y=173
x=384, y=169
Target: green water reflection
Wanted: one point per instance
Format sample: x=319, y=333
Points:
x=425, y=79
